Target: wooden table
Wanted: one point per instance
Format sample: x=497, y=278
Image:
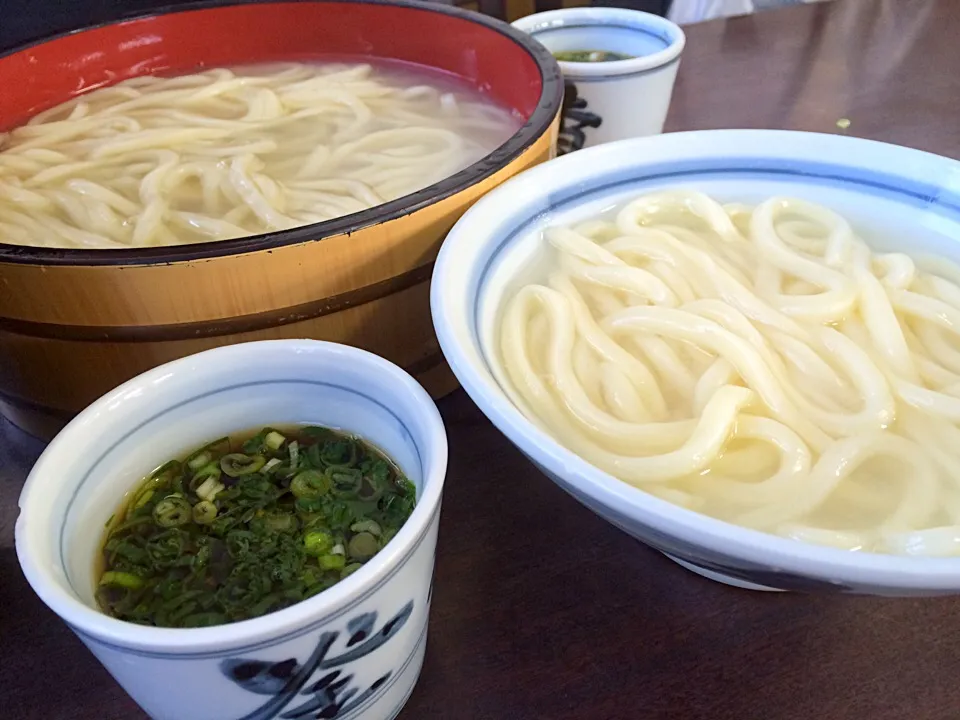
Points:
x=542, y=610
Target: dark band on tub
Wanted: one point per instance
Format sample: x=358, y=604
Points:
x=226, y=326
x=425, y=364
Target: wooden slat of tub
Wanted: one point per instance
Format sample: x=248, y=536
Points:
x=32, y=370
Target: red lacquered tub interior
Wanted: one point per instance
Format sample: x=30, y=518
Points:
x=43, y=75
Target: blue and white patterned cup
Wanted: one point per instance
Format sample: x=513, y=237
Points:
x=614, y=100
x=355, y=650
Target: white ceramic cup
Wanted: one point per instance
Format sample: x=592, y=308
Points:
x=613, y=100
x=353, y=650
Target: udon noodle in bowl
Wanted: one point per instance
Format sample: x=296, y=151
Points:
x=232, y=152
x=748, y=359
x=234, y=172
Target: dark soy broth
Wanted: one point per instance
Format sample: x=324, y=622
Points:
x=247, y=525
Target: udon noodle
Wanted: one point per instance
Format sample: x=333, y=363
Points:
x=758, y=364
x=229, y=153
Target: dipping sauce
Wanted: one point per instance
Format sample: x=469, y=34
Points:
x=590, y=56
x=247, y=525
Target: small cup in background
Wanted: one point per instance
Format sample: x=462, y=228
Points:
x=618, y=99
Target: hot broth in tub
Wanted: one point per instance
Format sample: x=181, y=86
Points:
x=231, y=152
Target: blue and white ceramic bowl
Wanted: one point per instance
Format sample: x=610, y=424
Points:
x=352, y=651
x=896, y=196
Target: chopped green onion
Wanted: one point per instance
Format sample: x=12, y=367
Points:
x=313, y=457
x=316, y=432
x=209, y=489
x=280, y=522
x=340, y=453
x=131, y=522
x=282, y=471
x=388, y=535
x=195, y=463
x=203, y=619
x=274, y=440
x=350, y=569
x=204, y=512
x=588, y=56
x=172, y=511
x=210, y=450
x=153, y=482
x=310, y=484
x=166, y=469
x=237, y=464
x=317, y=543
x=363, y=546
x=346, y=481
x=271, y=464
x=332, y=562
x=224, y=536
x=210, y=470
x=370, y=526
x=257, y=445
x=369, y=490
x=143, y=498
x=265, y=604
x=309, y=505
x=115, y=578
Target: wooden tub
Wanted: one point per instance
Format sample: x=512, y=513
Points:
x=75, y=323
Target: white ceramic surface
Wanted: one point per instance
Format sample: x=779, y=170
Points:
x=618, y=99
x=370, y=628
x=895, y=196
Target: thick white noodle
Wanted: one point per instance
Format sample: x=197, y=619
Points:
x=228, y=153
x=759, y=364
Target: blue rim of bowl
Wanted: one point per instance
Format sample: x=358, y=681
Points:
x=548, y=106
x=556, y=459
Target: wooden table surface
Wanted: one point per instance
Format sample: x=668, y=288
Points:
x=542, y=610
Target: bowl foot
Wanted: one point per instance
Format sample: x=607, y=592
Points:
x=720, y=578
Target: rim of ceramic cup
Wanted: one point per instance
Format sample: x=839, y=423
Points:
x=50, y=581
x=568, y=18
